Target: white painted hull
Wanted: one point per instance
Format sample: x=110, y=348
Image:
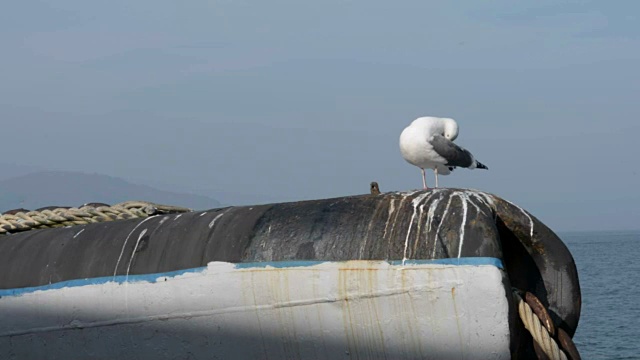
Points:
x=313, y=310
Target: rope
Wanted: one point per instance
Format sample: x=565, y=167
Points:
x=87, y=214
x=541, y=312
x=538, y=331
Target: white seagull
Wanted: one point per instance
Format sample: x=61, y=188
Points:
x=428, y=143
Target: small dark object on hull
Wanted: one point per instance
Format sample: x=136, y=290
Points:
x=375, y=189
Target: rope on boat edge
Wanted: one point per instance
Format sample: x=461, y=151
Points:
x=542, y=331
x=87, y=214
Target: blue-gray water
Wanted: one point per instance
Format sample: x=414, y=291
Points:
x=609, y=274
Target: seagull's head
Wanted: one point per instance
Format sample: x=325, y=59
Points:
x=450, y=129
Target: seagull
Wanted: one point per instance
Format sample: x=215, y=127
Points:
x=428, y=143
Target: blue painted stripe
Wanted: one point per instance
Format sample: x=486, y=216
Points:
x=152, y=278
x=120, y=279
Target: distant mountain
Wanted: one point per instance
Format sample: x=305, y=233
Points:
x=62, y=188
x=8, y=170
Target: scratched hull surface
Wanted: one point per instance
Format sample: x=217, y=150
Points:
x=327, y=310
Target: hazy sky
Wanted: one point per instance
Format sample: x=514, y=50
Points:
x=287, y=100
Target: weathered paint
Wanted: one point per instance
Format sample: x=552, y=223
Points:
x=326, y=310
x=152, y=278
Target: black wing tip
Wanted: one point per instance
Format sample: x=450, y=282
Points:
x=480, y=165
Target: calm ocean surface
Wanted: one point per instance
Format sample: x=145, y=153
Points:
x=609, y=273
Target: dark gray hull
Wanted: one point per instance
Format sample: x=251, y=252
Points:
x=401, y=228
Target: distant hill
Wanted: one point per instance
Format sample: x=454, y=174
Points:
x=9, y=170
x=61, y=188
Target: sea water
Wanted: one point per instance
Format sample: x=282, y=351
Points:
x=609, y=272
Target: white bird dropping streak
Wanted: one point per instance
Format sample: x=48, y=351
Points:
x=444, y=214
x=393, y=223
x=409, y=193
x=126, y=240
x=419, y=230
x=213, y=222
x=431, y=212
x=126, y=281
x=465, y=196
x=415, y=202
x=406, y=241
x=485, y=198
x=79, y=232
x=481, y=200
x=463, y=222
x=528, y=217
x=392, y=208
x=133, y=253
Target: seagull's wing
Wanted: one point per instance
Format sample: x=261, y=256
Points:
x=452, y=153
x=445, y=169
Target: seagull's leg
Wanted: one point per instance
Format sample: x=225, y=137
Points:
x=424, y=179
x=435, y=170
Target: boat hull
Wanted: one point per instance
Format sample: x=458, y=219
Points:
x=443, y=309
x=321, y=279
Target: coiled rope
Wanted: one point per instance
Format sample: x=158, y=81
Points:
x=541, y=329
x=60, y=217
